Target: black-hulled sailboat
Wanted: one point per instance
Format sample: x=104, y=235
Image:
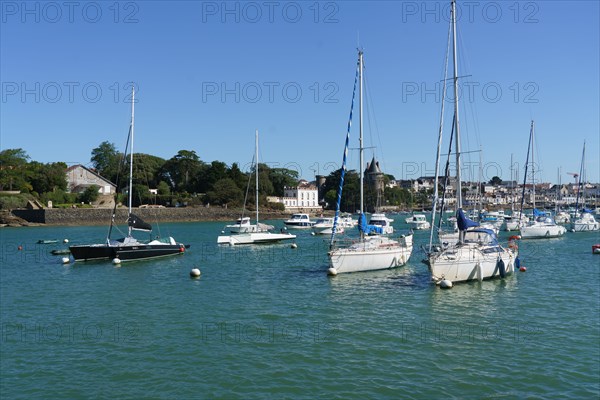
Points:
x=128, y=248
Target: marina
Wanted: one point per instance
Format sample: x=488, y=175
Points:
x=266, y=321
x=449, y=249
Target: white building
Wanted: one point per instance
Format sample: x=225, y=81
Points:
x=305, y=196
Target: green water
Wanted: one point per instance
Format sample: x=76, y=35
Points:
x=267, y=322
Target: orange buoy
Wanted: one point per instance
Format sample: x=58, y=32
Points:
x=20, y=247
x=523, y=269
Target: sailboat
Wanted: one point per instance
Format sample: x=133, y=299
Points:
x=259, y=233
x=586, y=222
x=476, y=255
x=369, y=252
x=128, y=248
x=543, y=225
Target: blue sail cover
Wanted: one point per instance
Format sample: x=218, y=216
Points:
x=368, y=229
x=586, y=210
x=538, y=213
x=463, y=222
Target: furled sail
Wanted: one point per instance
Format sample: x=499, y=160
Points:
x=138, y=224
x=368, y=229
x=343, y=171
x=463, y=222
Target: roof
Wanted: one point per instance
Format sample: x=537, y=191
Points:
x=91, y=171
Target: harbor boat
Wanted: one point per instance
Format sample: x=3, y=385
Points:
x=384, y=223
x=476, y=255
x=368, y=253
x=543, y=225
x=243, y=225
x=60, y=252
x=586, y=221
x=47, y=241
x=562, y=217
x=514, y=221
x=128, y=248
x=418, y=222
x=299, y=221
x=324, y=226
x=259, y=234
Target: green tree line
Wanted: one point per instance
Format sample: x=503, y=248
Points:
x=183, y=179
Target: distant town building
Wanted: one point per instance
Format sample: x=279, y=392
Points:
x=305, y=196
x=79, y=178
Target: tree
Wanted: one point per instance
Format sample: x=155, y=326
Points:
x=350, y=193
x=240, y=178
x=495, y=181
x=146, y=169
x=13, y=164
x=106, y=160
x=225, y=191
x=282, y=177
x=163, y=188
x=90, y=194
x=182, y=171
x=47, y=177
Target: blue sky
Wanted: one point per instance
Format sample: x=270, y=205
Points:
x=210, y=73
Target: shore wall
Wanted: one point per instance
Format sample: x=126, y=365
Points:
x=101, y=216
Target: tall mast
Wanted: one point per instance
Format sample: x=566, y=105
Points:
x=533, y=164
x=512, y=187
x=256, y=173
x=457, y=145
x=131, y=151
x=439, y=146
x=360, y=126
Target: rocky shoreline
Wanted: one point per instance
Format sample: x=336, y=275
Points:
x=101, y=216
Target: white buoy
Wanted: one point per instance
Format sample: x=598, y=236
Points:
x=446, y=284
x=312, y=234
x=222, y=231
x=66, y=241
x=195, y=273
x=332, y=271
x=116, y=260
x=294, y=246
x=66, y=260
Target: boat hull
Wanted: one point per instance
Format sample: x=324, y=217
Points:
x=254, y=238
x=371, y=255
x=542, y=231
x=124, y=252
x=299, y=225
x=586, y=227
x=469, y=263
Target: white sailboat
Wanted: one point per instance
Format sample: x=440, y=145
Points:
x=259, y=234
x=418, y=221
x=324, y=226
x=543, y=225
x=476, y=255
x=586, y=222
x=369, y=252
